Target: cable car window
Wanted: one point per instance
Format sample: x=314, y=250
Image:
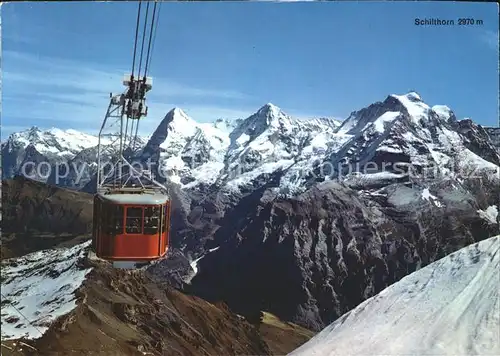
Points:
x=95, y=222
x=113, y=219
x=151, y=220
x=162, y=222
x=165, y=218
x=118, y=219
x=104, y=218
x=134, y=221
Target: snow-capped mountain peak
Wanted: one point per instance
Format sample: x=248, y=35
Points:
x=175, y=127
x=178, y=113
x=268, y=117
x=180, y=144
x=53, y=141
x=404, y=132
x=412, y=96
x=409, y=106
x=179, y=122
x=416, y=109
x=269, y=111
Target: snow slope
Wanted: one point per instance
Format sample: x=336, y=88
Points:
x=38, y=288
x=490, y=214
x=450, y=307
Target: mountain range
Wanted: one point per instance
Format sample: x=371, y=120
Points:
x=233, y=155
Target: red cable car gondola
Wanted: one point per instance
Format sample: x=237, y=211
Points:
x=131, y=227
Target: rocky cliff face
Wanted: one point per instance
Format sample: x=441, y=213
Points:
x=37, y=216
x=312, y=258
x=494, y=134
x=32, y=206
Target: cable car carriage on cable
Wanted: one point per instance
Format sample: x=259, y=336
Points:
x=131, y=227
x=131, y=210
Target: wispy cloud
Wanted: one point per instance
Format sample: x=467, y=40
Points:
x=58, y=92
x=55, y=92
x=17, y=38
x=490, y=39
x=37, y=70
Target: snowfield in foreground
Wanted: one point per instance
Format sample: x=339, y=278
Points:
x=450, y=307
x=38, y=288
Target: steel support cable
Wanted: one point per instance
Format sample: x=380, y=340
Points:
x=126, y=131
x=143, y=38
x=154, y=36
x=131, y=133
x=149, y=44
x=133, y=66
x=136, y=34
x=135, y=136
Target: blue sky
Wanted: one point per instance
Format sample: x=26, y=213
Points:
x=226, y=59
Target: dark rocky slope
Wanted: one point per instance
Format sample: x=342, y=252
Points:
x=125, y=313
x=37, y=216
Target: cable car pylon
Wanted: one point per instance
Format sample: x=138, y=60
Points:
x=131, y=225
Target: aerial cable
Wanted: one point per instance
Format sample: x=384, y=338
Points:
x=151, y=42
x=148, y=56
x=150, y=38
x=132, y=136
x=131, y=133
x=154, y=37
x=135, y=136
x=135, y=53
x=136, y=34
x=126, y=131
x=143, y=37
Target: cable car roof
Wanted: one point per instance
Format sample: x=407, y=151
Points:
x=139, y=199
